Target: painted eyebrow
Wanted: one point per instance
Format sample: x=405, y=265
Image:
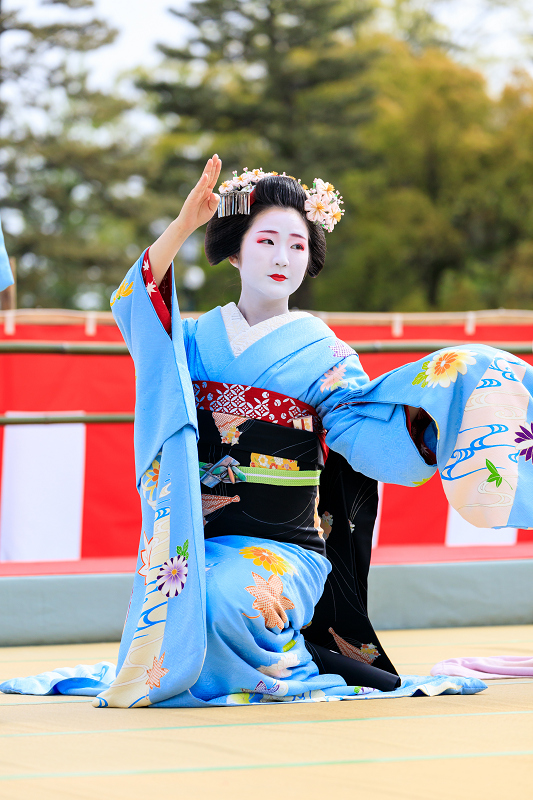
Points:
x=290, y=234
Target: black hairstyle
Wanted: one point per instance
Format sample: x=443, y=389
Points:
x=224, y=235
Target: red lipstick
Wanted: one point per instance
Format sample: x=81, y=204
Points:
x=279, y=277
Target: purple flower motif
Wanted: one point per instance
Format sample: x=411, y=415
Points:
x=525, y=435
x=172, y=576
x=262, y=688
x=341, y=349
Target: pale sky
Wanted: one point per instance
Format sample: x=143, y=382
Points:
x=141, y=24
x=496, y=29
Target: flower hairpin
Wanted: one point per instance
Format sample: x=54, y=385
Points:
x=322, y=204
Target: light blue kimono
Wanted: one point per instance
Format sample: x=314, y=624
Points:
x=6, y=275
x=208, y=624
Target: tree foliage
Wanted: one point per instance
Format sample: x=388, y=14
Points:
x=424, y=156
x=436, y=172
x=442, y=220
x=74, y=203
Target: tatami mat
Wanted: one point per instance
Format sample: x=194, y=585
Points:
x=413, y=748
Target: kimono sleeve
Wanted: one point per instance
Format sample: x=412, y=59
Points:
x=160, y=296
x=373, y=437
x=6, y=276
x=164, y=393
x=480, y=401
x=164, y=639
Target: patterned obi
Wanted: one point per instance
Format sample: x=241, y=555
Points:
x=249, y=402
x=254, y=446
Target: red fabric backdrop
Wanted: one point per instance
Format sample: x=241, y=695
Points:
x=111, y=514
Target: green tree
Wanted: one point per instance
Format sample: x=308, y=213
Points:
x=442, y=220
x=415, y=22
x=495, y=212
x=429, y=136
x=73, y=201
x=264, y=84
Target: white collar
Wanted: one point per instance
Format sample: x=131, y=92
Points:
x=241, y=335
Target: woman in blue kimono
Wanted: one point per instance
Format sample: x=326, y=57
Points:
x=241, y=417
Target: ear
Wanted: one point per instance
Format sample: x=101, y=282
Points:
x=234, y=261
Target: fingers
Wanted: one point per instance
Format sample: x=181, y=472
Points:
x=212, y=202
x=202, y=183
x=213, y=170
x=218, y=167
x=208, y=179
x=208, y=169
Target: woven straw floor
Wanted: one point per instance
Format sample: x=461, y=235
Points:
x=438, y=748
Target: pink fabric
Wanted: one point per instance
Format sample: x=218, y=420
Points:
x=489, y=667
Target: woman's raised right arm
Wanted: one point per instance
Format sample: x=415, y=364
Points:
x=198, y=209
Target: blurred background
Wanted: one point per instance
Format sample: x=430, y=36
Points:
x=420, y=112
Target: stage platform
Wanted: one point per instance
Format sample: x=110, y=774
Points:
x=409, y=587
x=478, y=746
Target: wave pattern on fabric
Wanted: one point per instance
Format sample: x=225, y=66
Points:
x=481, y=475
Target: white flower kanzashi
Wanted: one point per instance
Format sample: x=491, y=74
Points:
x=336, y=212
x=322, y=204
x=325, y=188
x=325, y=204
x=328, y=222
x=240, y=181
x=316, y=208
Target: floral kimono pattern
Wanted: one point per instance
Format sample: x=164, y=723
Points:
x=219, y=621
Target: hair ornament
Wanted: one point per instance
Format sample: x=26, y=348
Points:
x=322, y=204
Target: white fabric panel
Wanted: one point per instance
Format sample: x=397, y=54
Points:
x=43, y=471
x=241, y=334
x=460, y=533
x=377, y=523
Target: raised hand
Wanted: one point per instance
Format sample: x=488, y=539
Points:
x=197, y=209
x=202, y=201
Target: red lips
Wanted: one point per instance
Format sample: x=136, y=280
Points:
x=279, y=277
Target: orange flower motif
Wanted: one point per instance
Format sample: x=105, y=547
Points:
x=267, y=559
x=444, y=368
x=146, y=555
x=153, y=474
x=269, y=600
x=154, y=675
x=150, y=480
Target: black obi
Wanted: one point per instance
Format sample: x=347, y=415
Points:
x=338, y=517
x=284, y=513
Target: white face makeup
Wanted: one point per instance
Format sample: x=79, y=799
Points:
x=274, y=256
